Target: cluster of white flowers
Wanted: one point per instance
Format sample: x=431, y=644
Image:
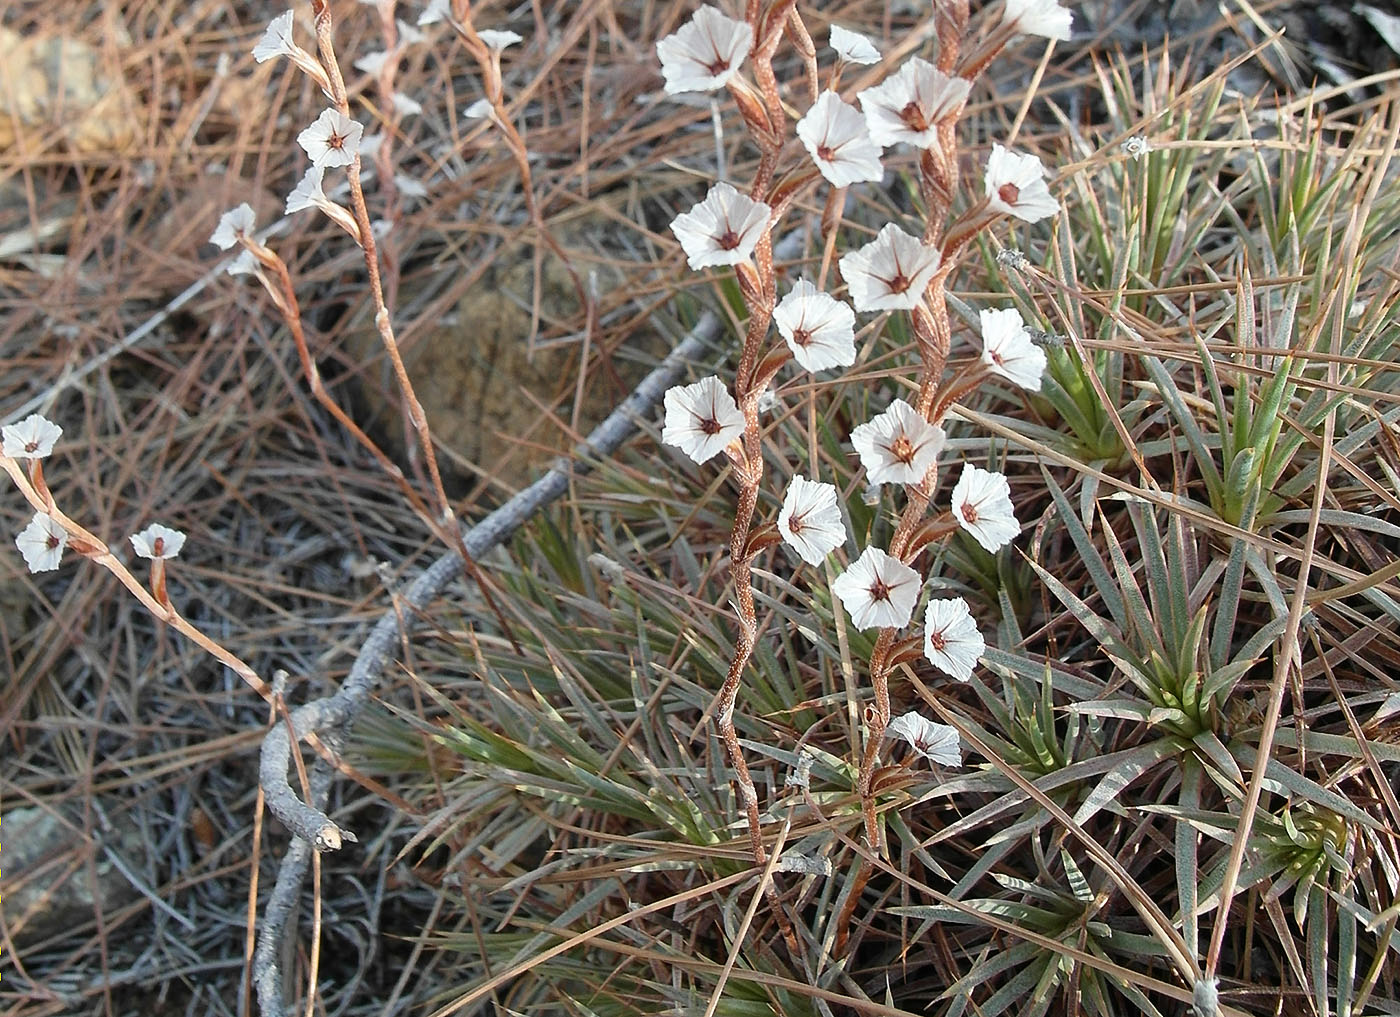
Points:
x=913, y=106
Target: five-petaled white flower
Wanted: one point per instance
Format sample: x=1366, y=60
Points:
x=1007, y=348
x=1038, y=17
x=309, y=193
x=899, y=446
x=277, y=40
x=982, y=505
x=818, y=328
x=1137, y=146
x=721, y=230
x=157, y=541
x=891, y=272
x=853, y=47
x=878, y=591
x=839, y=141
x=498, y=39
x=938, y=743
x=332, y=140
x=1016, y=185
x=32, y=438
x=704, y=53
x=909, y=104
x=951, y=640
x=234, y=224
x=810, y=521
x=701, y=419
x=42, y=543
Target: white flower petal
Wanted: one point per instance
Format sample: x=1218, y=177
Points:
x=839, y=142
x=1039, y=17
x=811, y=521
x=372, y=63
x=818, y=328
x=157, y=541
x=42, y=543
x=853, y=47
x=309, y=192
x=1008, y=350
x=909, y=104
x=701, y=419
x=891, y=272
x=704, y=53
x=332, y=140
x=1016, y=185
x=938, y=743
x=878, y=591
x=277, y=40
x=478, y=110
x=32, y=438
x=899, y=446
x=982, y=507
x=723, y=229
x=233, y=224
x=951, y=640
x=498, y=40
x=435, y=11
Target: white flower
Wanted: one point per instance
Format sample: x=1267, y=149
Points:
x=372, y=63
x=277, y=40
x=1016, y=185
x=701, y=419
x=1038, y=17
x=811, y=520
x=234, y=224
x=721, y=230
x=938, y=743
x=853, y=47
x=332, y=140
x=435, y=11
x=1137, y=146
x=891, y=272
x=404, y=106
x=704, y=53
x=839, y=141
x=878, y=591
x=244, y=264
x=951, y=640
x=899, y=446
x=42, y=543
x=982, y=505
x=157, y=541
x=32, y=438
x=1008, y=350
x=478, y=110
x=309, y=193
x=408, y=35
x=497, y=39
x=908, y=105
x=818, y=328
x=409, y=187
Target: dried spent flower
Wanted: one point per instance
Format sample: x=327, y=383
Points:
x=878, y=591
x=899, y=446
x=1038, y=17
x=909, y=105
x=853, y=47
x=721, y=230
x=951, y=640
x=891, y=272
x=332, y=140
x=938, y=743
x=157, y=542
x=810, y=520
x=1007, y=348
x=1016, y=185
x=837, y=138
x=701, y=419
x=704, y=53
x=32, y=438
x=982, y=506
x=234, y=224
x=42, y=543
x=818, y=328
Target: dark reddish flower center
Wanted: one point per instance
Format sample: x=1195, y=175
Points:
x=50, y=542
x=878, y=589
x=899, y=283
x=717, y=66
x=903, y=450
x=158, y=546
x=913, y=117
x=826, y=152
x=937, y=641
x=728, y=240
x=1009, y=193
x=802, y=336
x=31, y=446
x=969, y=512
x=336, y=140
x=997, y=358
x=709, y=425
